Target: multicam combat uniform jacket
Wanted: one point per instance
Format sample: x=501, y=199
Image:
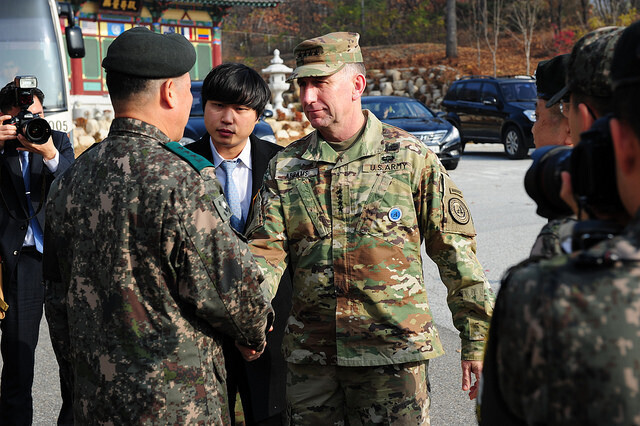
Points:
x=149, y=276
x=351, y=227
x=564, y=345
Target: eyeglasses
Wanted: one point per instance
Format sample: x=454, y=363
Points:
x=565, y=106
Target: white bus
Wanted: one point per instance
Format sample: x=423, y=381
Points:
x=31, y=43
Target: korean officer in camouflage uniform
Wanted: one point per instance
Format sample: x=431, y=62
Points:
x=146, y=272
x=348, y=207
x=583, y=98
x=550, y=129
x=564, y=341
x=551, y=126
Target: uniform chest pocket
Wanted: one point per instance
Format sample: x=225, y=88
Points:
x=389, y=212
x=314, y=210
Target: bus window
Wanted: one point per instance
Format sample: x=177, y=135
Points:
x=30, y=46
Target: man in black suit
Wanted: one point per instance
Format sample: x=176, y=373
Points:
x=234, y=97
x=22, y=198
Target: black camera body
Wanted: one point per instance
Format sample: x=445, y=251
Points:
x=593, y=174
x=593, y=178
x=34, y=128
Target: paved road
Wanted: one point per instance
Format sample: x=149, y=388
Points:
x=506, y=223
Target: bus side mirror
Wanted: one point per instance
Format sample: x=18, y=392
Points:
x=75, y=42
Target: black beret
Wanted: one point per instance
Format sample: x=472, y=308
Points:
x=142, y=53
x=625, y=65
x=550, y=76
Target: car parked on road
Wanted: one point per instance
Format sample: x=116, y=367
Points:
x=195, y=126
x=413, y=116
x=494, y=110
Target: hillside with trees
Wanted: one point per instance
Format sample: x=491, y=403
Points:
x=493, y=37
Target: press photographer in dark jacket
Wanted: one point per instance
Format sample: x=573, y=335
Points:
x=22, y=198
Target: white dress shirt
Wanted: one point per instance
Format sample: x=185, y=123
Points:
x=241, y=175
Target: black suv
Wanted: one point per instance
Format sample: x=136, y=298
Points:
x=494, y=110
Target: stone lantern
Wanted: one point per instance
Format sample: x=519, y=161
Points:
x=277, y=81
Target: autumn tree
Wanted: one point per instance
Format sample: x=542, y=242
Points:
x=523, y=15
x=452, y=32
x=608, y=11
x=471, y=17
x=492, y=24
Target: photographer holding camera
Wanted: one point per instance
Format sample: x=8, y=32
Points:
x=582, y=98
x=31, y=156
x=564, y=342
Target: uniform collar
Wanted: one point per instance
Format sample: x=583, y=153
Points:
x=133, y=125
x=370, y=143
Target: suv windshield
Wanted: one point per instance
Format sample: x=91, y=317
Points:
x=519, y=91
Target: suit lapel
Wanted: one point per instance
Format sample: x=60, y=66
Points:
x=12, y=161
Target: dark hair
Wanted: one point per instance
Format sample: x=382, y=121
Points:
x=123, y=86
x=8, y=98
x=236, y=84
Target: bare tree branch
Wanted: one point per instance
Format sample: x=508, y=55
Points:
x=524, y=16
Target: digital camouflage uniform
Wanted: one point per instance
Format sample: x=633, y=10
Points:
x=147, y=276
x=564, y=345
x=552, y=239
x=351, y=227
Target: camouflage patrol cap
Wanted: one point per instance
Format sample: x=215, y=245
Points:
x=551, y=76
x=326, y=55
x=589, y=68
x=625, y=65
x=141, y=52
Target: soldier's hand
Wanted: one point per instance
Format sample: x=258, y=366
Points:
x=469, y=367
x=249, y=354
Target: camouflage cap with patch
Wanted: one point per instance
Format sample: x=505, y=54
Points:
x=326, y=55
x=589, y=68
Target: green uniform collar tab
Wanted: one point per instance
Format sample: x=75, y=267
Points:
x=197, y=161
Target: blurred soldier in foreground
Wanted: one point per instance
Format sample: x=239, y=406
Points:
x=146, y=272
x=348, y=207
x=584, y=97
x=564, y=343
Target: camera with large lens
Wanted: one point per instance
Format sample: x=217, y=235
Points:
x=592, y=166
x=593, y=174
x=34, y=128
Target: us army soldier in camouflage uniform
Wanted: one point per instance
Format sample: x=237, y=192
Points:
x=147, y=272
x=585, y=96
x=564, y=342
x=348, y=207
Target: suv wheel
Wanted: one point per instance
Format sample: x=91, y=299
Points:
x=514, y=143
